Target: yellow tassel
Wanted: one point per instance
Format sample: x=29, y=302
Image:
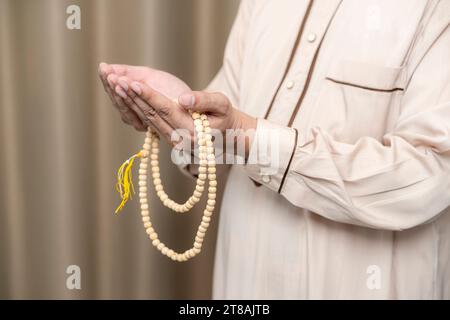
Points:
x=124, y=184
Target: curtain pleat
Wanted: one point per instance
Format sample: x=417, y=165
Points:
x=61, y=142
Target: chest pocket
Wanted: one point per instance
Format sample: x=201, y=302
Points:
x=359, y=99
x=367, y=76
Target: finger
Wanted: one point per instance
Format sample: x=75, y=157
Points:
x=103, y=73
x=118, y=100
x=105, y=85
x=122, y=70
x=131, y=119
x=124, y=82
x=111, y=79
x=107, y=82
x=120, y=104
x=155, y=101
x=119, y=69
x=104, y=70
x=127, y=115
x=205, y=102
x=125, y=119
x=124, y=101
x=118, y=94
x=107, y=88
x=150, y=117
x=132, y=107
x=154, y=119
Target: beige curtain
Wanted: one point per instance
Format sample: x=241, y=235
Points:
x=61, y=143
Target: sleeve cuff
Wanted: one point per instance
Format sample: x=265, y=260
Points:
x=271, y=153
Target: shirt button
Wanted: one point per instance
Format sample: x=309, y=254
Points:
x=290, y=84
x=312, y=37
x=266, y=179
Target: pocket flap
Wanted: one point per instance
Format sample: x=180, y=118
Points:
x=367, y=76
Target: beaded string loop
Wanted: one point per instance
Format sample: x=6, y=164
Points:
x=207, y=172
x=205, y=146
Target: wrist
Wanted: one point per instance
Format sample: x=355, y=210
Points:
x=245, y=127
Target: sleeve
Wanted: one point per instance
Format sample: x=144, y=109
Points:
x=397, y=183
x=227, y=80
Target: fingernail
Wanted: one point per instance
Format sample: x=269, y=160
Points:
x=123, y=84
x=120, y=92
x=186, y=100
x=109, y=78
x=136, y=87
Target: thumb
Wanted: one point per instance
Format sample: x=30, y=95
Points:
x=204, y=102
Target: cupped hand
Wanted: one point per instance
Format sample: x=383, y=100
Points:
x=165, y=83
x=160, y=100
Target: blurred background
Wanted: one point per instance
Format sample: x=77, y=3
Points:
x=61, y=143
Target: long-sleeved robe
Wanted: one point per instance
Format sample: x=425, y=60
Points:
x=352, y=201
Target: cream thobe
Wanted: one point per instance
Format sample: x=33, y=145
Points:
x=357, y=206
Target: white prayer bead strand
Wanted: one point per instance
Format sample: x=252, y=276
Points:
x=195, y=198
x=151, y=149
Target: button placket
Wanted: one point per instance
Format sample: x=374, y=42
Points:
x=295, y=81
x=302, y=64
